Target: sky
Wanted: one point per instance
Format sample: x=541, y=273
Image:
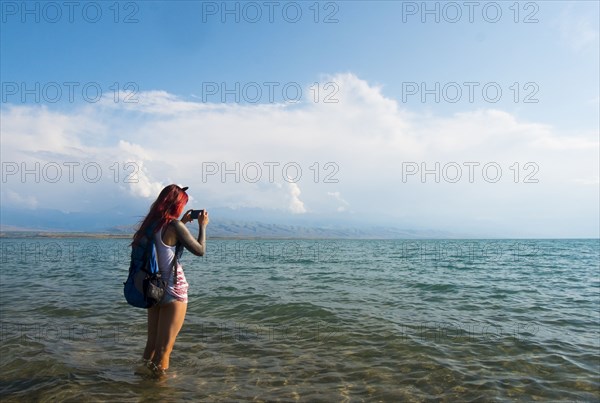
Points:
x=471, y=117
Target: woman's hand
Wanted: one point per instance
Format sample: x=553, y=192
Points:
x=203, y=219
x=187, y=217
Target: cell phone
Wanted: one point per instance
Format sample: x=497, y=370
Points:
x=196, y=213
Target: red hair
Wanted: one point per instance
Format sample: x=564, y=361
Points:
x=168, y=206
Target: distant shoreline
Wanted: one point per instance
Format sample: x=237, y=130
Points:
x=115, y=236
x=24, y=234
x=91, y=235
x=30, y=235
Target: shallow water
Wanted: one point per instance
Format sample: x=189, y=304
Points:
x=341, y=320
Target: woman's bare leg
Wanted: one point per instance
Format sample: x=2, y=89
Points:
x=153, y=315
x=170, y=321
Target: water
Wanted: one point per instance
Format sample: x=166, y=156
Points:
x=341, y=320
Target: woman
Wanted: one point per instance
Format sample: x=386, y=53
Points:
x=166, y=318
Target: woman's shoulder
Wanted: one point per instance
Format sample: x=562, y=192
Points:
x=176, y=226
x=170, y=232
x=175, y=223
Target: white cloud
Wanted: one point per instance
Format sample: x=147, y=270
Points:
x=135, y=175
x=141, y=185
x=338, y=197
x=296, y=205
x=366, y=135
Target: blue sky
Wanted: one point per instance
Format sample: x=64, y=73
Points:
x=374, y=58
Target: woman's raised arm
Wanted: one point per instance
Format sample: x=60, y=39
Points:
x=196, y=246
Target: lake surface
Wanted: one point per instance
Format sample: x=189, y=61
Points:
x=333, y=320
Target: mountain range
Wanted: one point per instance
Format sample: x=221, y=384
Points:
x=224, y=223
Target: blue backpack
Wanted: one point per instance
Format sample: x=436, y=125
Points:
x=145, y=286
x=143, y=272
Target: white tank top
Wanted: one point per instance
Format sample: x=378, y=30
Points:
x=165, y=255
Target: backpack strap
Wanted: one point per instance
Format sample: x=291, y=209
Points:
x=149, y=235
